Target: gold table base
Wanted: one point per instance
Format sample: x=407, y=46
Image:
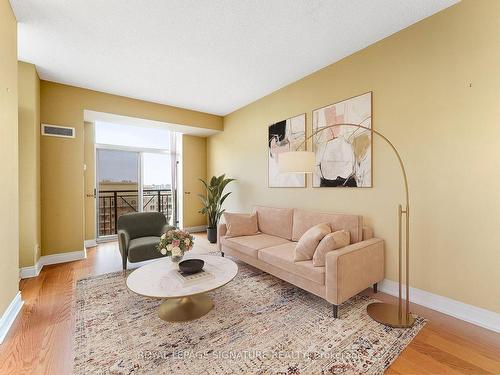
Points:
x=185, y=308
x=388, y=314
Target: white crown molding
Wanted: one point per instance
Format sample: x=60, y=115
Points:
x=90, y=243
x=10, y=315
x=460, y=310
x=200, y=228
x=45, y=260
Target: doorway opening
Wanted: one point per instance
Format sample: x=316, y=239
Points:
x=136, y=171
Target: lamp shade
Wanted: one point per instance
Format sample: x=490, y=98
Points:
x=296, y=162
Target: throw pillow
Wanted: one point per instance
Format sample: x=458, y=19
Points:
x=241, y=224
x=330, y=242
x=309, y=241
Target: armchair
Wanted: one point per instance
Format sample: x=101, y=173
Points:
x=138, y=235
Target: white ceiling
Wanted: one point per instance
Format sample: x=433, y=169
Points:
x=214, y=56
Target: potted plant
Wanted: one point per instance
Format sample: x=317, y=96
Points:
x=212, y=203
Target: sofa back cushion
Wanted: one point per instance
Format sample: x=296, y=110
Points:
x=275, y=221
x=304, y=219
x=240, y=224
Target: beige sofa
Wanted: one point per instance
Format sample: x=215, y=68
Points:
x=347, y=271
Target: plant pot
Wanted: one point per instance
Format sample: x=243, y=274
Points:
x=212, y=235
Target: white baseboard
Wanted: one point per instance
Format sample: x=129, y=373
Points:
x=10, y=315
x=90, y=243
x=200, y=228
x=63, y=257
x=45, y=260
x=31, y=271
x=460, y=310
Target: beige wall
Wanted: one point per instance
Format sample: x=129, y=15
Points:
x=9, y=199
x=63, y=184
x=436, y=92
x=29, y=165
x=89, y=180
x=194, y=158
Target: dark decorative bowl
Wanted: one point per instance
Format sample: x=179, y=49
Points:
x=190, y=266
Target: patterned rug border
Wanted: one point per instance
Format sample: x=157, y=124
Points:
x=104, y=275
x=407, y=335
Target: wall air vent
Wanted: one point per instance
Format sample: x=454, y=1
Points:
x=58, y=131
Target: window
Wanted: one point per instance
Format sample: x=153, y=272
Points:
x=132, y=136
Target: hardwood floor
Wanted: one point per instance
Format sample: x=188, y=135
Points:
x=41, y=339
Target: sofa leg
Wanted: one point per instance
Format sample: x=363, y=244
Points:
x=222, y=254
x=375, y=290
x=335, y=311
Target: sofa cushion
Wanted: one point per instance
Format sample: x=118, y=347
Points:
x=240, y=224
x=309, y=242
x=275, y=221
x=281, y=256
x=330, y=242
x=143, y=248
x=249, y=245
x=303, y=220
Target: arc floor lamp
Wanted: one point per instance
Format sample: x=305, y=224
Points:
x=385, y=313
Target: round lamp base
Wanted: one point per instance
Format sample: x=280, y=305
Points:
x=388, y=315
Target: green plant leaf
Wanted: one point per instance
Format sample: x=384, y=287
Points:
x=204, y=183
x=224, y=198
x=212, y=202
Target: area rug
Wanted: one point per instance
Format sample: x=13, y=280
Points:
x=259, y=325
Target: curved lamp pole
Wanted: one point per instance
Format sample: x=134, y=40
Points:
x=385, y=313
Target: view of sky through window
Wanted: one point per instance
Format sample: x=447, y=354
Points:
x=122, y=166
x=131, y=136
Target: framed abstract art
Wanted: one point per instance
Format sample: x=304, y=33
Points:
x=343, y=153
x=284, y=136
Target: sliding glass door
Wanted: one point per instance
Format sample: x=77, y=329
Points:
x=135, y=172
x=118, y=186
x=157, y=192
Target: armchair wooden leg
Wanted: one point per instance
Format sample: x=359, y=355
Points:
x=124, y=262
x=375, y=290
x=335, y=311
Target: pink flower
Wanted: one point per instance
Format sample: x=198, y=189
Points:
x=176, y=243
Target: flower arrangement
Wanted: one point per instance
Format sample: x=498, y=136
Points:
x=175, y=243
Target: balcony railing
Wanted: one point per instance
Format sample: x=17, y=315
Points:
x=114, y=203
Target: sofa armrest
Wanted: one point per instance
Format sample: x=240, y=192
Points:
x=221, y=232
x=123, y=242
x=353, y=268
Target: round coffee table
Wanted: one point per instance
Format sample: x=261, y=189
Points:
x=182, y=301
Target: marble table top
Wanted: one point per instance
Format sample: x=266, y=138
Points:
x=157, y=279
